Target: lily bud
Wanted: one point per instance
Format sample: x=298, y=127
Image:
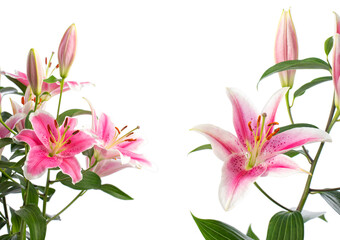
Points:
x=35, y=72
x=336, y=61
x=67, y=50
x=286, y=47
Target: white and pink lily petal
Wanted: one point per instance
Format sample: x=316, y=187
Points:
x=54, y=146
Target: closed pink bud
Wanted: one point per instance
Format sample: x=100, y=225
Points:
x=336, y=60
x=35, y=72
x=67, y=50
x=286, y=47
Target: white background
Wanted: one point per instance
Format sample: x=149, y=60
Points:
x=164, y=65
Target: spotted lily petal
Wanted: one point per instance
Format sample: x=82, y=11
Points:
x=281, y=165
x=235, y=179
x=71, y=167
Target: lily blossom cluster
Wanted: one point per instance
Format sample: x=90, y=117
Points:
x=54, y=144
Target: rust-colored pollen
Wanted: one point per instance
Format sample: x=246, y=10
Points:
x=117, y=130
x=75, y=132
x=51, y=140
x=272, y=124
x=45, y=60
x=130, y=140
x=123, y=128
x=68, y=142
x=258, y=121
x=49, y=65
x=22, y=100
x=129, y=134
x=273, y=133
x=65, y=123
x=56, y=124
x=57, y=66
x=49, y=129
x=249, y=126
x=258, y=138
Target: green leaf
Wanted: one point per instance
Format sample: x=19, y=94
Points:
x=285, y=226
x=32, y=195
x=293, y=153
x=328, y=45
x=9, y=237
x=308, y=63
x=36, y=222
x=2, y=222
x=17, y=153
x=333, y=199
x=203, y=147
x=51, y=79
x=15, y=220
x=5, y=116
x=311, y=84
x=50, y=192
x=72, y=113
x=307, y=215
x=115, y=192
x=16, y=82
x=8, y=188
x=89, y=153
x=296, y=125
x=251, y=234
x=8, y=90
x=216, y=230
x=5, y=141
x=28, y=124
x=90, y=181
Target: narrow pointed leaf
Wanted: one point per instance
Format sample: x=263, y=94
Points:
x=296, y=125
x=5, y=141
x=32, y=195
x=311, y=84
x=308, y=63
x=34, y=219
x=15, y=220
x=90, y=181
x=8, y=188
x=203, y=147
x=328, y=45
x=333, y=199
x=72, y=113
x=8, y=90
x=51, y=79
x=293, y=153
x=251, y=234
x=16, y=82
x=2, y=222
x=216, y=230
x=50, y=192
x=5, y=115
x=115, y=192
x=285, y=226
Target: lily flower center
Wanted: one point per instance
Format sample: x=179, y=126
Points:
x=260, y=138
x=118, y=140
x=57, y=145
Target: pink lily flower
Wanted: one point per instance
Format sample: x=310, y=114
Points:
x=67, y=50
x=257, y=149
x=286, y=47
x=336, y=61
x=114, y=150
x=52, y=88
x=53, y=146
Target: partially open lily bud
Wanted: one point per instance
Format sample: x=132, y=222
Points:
x=35, y=72
x=336, y=61
x=67, y=50
x=286, y=47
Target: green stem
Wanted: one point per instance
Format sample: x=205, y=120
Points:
x=37, y=99
x=6, y=214
x=46, y=192
x=270, y=198
x=23, y=224
x=8, y=176
x=330, y=123
x=68, y=205
x=60, y=95
x=8, y=128
x=309, y=158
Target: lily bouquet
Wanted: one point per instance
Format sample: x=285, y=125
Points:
x=39, y=141
x=261, y=148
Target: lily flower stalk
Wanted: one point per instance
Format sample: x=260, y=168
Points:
x=286, y=47
x=257, y=150
x=336, y=61
x=67, y=50
x=35, y=72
